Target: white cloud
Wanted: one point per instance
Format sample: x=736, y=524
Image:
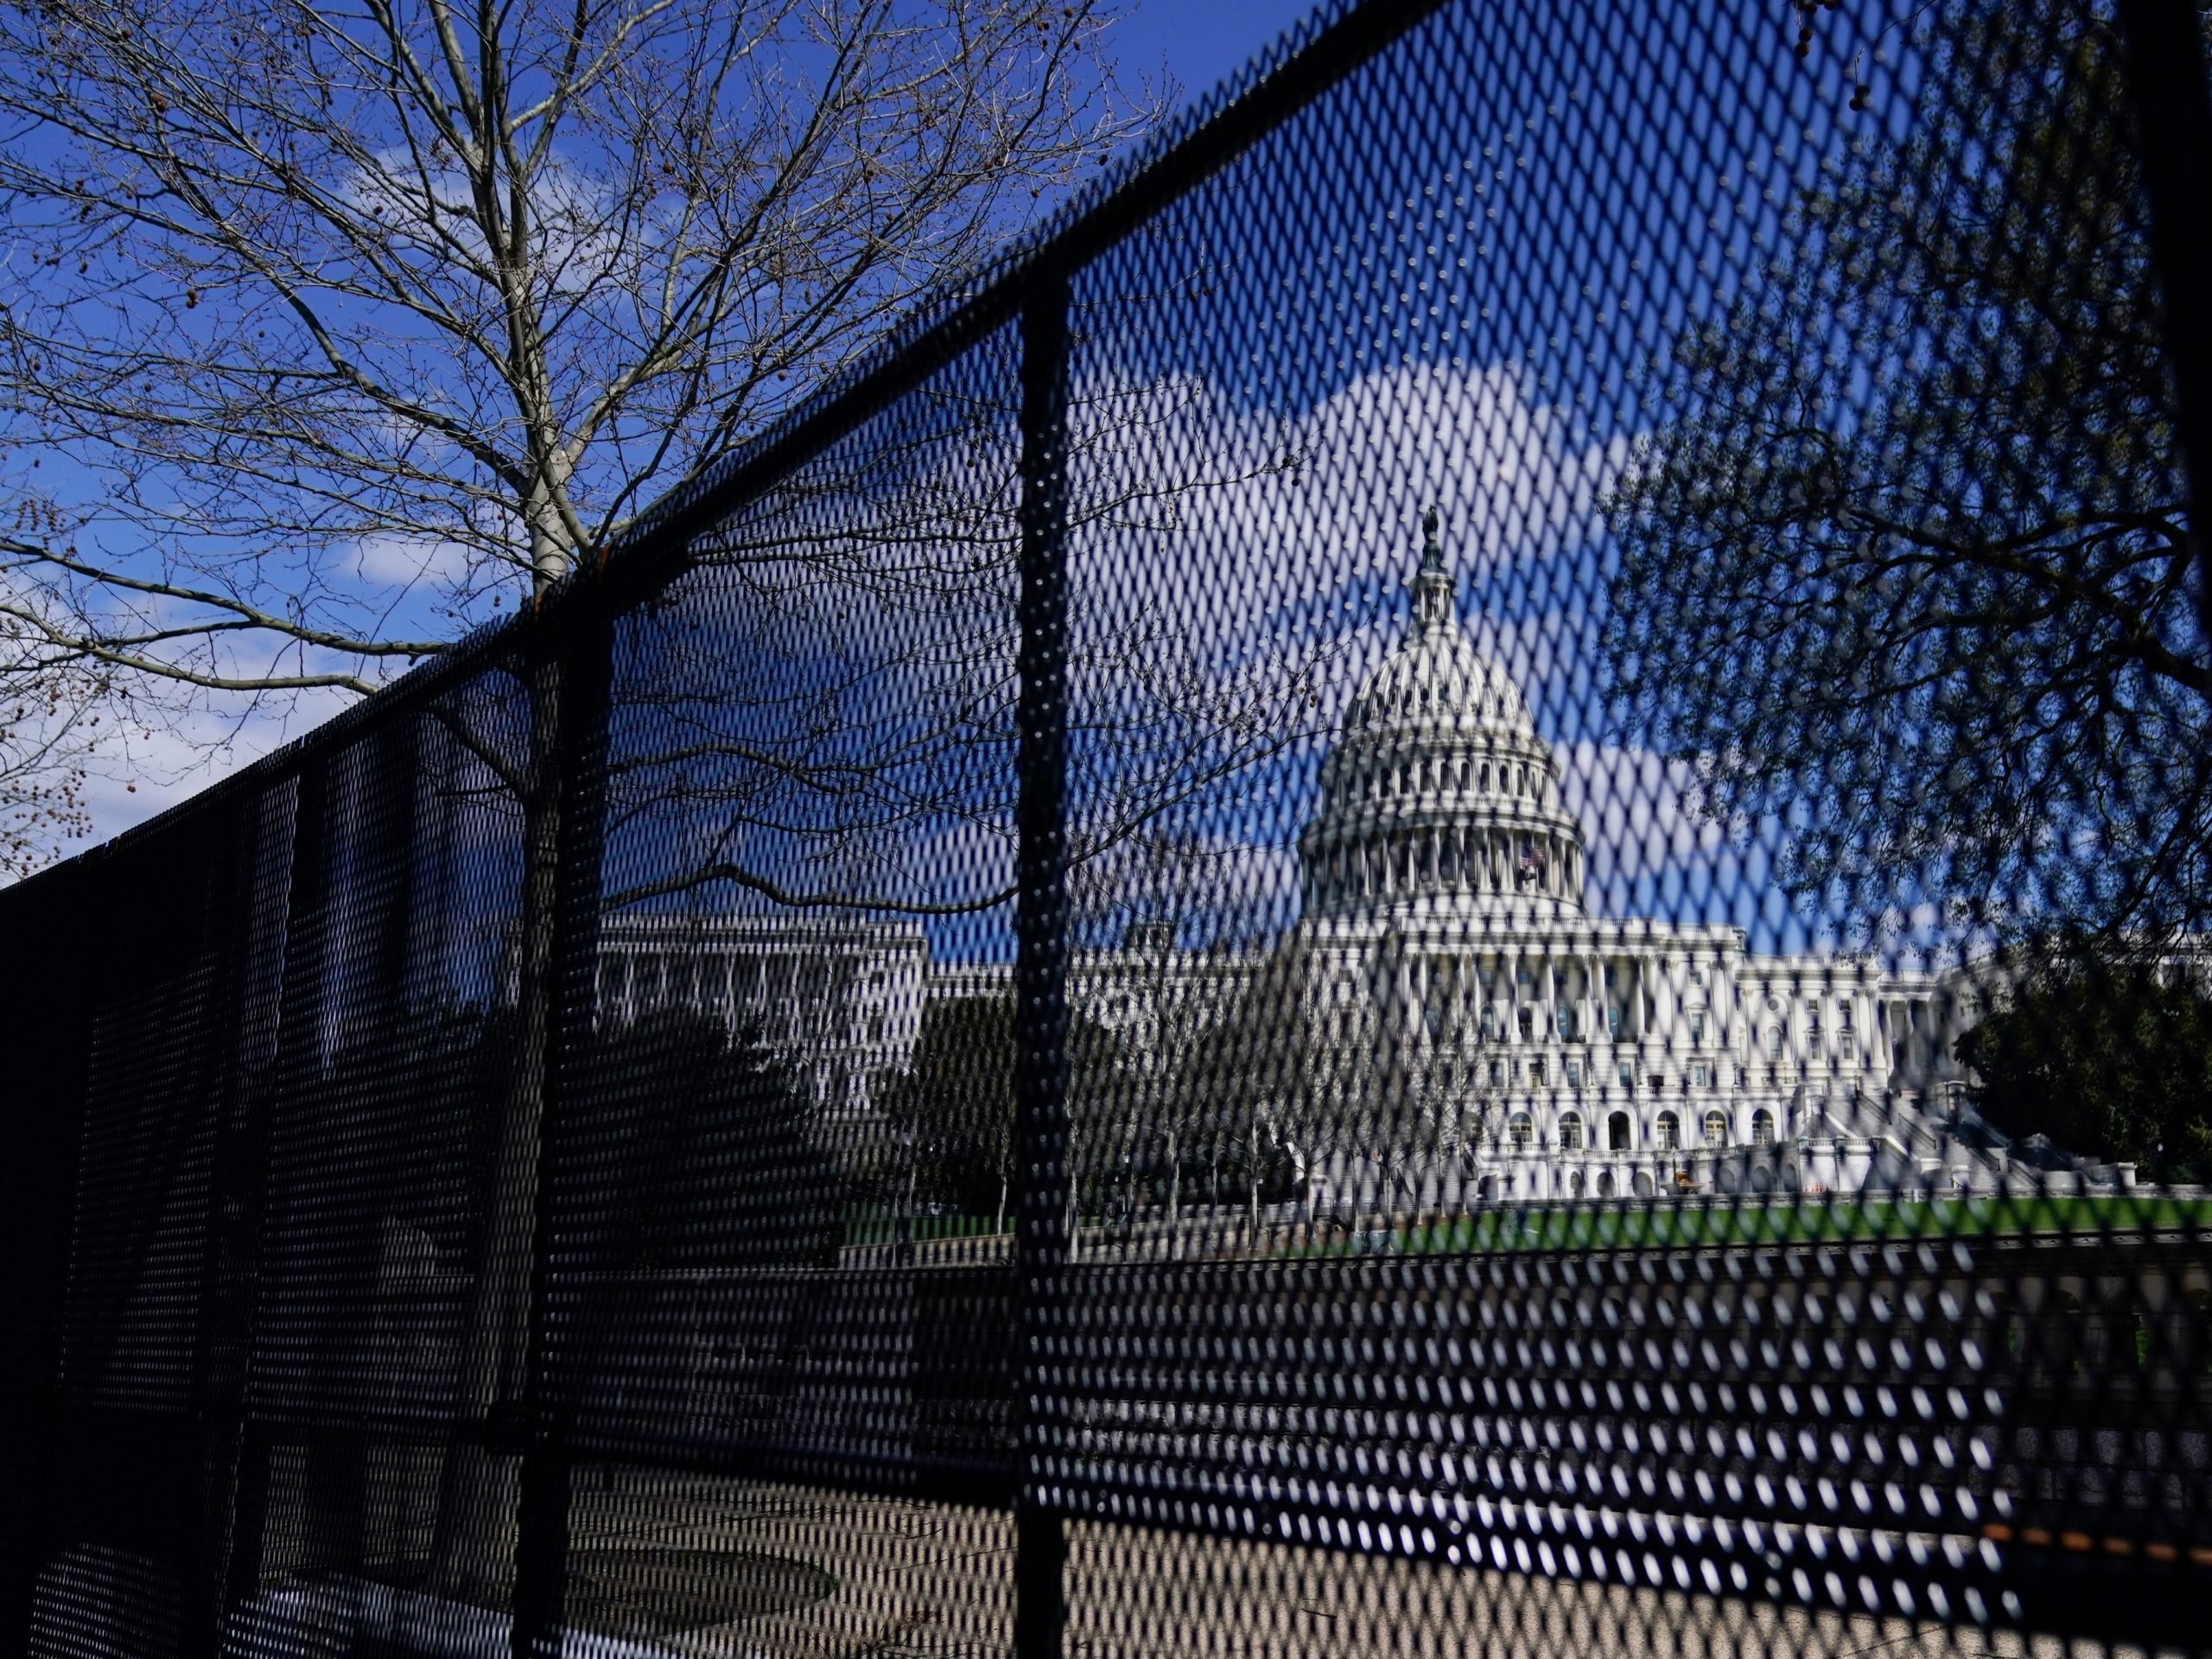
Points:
x=405, y=561
x=1246, y=524
x=1635, y=809
x=1651, y=853
x=587, y=230
x=138, y=768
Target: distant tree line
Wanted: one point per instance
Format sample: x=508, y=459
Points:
x=1146, y=1135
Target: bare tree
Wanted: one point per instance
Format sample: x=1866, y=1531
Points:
x=1269, y=1069
x=353, y=323
x=1908, y=575
x=1202, y=1074
x=356, y=324
x=49, y=724
x=1353, y=1083
x=1249, y=1078
x=1448, y=1112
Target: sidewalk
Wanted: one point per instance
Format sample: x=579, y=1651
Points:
x=732, y=1570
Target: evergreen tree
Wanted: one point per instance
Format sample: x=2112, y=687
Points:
x=2111, y=1061
x=1908, y=573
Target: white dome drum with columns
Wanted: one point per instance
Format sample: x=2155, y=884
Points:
x=1439, y=794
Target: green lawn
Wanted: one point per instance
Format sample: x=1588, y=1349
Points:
x=1682, y=1224
x=1677, y=1225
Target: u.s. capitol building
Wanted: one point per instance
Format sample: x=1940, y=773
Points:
x=1460, y=1028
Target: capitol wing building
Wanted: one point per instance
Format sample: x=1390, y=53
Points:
x=1456, y=1002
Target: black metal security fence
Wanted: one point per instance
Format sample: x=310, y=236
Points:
x=1442, y=889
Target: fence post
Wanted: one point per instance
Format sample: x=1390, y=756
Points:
x=1041, y=1239
x=585, y=644
x=2173, y=122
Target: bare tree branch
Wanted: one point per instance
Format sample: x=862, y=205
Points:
x=355, y=321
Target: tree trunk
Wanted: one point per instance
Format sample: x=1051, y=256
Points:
x=1071, y=1211
x=1252, y=1177
x=903, y=1233
x=1174, y=1198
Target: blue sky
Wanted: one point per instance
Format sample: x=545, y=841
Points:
x=1201, y=43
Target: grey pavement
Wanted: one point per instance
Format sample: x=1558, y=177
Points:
x=913, y=1579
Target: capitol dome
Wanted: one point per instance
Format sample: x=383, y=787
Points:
x=1439, y=797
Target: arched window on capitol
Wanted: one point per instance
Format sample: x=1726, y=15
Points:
x=1570, y=1132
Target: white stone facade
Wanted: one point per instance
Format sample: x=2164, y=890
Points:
x=841, y=1000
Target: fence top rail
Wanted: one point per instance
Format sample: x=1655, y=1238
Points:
x=1329, y=47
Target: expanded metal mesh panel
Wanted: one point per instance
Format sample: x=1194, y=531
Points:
x=809, y=794
x=1438, y=890
x=1538, y=542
